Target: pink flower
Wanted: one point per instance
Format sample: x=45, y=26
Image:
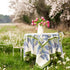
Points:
x=44, y=23
x=34, y=24
x=32, y=21
x=36, y=20
x=48, y=22
x=43, y=18
x=48, y=25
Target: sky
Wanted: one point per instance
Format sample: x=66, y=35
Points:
x=4, y=7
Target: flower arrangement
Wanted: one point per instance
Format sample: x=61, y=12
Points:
x=41, y=22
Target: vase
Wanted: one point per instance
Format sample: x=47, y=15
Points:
x=40, y=29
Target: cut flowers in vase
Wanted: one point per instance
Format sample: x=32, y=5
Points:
x=41, y=22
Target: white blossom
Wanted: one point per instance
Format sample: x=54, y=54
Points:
x=67, y=59
x=55, y=57
x=62, y=56
x=51, y=58
x=47, y=68
x=64, y=63
x=0, y=67
x=59, y=61
x=52, y=65
x=68, y=67
x=56, y=67
x=4, y=68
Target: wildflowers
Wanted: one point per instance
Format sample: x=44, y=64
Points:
x=4, y=68
x=0, y=68
x=59, y=62
x=68, y=67
x=64, y=63
x=67, y=59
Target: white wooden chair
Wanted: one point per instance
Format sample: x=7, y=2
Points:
x=10, y=41
x=17, y=46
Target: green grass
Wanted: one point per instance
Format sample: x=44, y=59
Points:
x=10, y=62
x=15, y=62
x=7, y=28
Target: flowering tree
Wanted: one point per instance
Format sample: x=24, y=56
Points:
x=56, y=7
x=21, y=8
x=33, y=9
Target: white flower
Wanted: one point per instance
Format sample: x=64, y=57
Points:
x=56, y=67
x=64, y=63
x=47, y=68
x=59, y=61
x=62, y=56
x=67, y=59
x=4, y=65
x=68, y=67
x=4, y=68
x=55, y=57
x=0, y=67
x=51, y=65
x=51, y=58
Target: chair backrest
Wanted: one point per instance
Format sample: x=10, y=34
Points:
x=16, y=38
x=11, y=37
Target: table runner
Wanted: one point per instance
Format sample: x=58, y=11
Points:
x=42, y=46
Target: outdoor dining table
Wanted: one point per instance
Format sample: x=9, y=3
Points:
x=41, y=46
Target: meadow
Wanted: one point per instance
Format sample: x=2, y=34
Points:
x=10, y=62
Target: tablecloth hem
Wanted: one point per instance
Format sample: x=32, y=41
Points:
x=43, y=65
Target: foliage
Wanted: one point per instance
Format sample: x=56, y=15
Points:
x=6, y=48
x=26, y=19
x=42, y=8
x=56, y=20
x=4, y=19
x=57, y=16
x=65, y=17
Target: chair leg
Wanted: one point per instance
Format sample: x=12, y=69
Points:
x=23, y=53
x=13, y=51
x=20, y=52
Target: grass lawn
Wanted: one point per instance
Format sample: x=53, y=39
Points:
x=10, y=62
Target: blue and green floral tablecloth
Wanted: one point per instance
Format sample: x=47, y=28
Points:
x=42, y=46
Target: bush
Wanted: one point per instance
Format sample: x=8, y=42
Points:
x=26, y=19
